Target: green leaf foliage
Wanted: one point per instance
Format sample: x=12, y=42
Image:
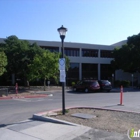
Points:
x=44, y=65
x=3, y=63
x=20, y=54
x=127, y=57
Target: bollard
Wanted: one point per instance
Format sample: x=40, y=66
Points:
x=16, y=88
x=121, y=96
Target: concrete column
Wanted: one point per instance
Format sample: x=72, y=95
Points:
x=99, y=53
x=80, y=52
x=99, y=72
x=80, y=71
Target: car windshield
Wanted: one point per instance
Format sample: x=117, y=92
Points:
x=93, y=83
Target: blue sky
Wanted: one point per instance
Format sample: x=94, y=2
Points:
x=88, y=21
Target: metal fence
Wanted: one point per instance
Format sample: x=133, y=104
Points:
x=3, y=91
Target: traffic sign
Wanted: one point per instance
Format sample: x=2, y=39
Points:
x=62, y=64
x=62, y=75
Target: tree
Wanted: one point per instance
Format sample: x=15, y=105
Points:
x=3, y=62
x=44, y=66
x=127, y=57
x=19, y=53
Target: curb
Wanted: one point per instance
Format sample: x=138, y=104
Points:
x=53, y=120
x=26, y=96
x=41, y=115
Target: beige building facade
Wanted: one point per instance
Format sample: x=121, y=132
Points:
x=87, y=60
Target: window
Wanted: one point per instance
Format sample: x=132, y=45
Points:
x=106, y=54
x=71, y=52
x=51, y=49
x=89, y=53
x=106, y=71
x=73, y=73
x=89, y=71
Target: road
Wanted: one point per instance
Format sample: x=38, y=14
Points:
x=15, y=110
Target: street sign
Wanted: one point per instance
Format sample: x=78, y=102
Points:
x=62, y=64
x=62, y=75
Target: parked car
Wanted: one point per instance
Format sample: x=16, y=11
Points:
x=105, y=85
x=87, y=85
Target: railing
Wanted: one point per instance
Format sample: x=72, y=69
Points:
x=3, y=91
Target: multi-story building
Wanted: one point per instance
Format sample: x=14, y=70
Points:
x=87, y=60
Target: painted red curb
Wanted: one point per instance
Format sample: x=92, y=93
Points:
x=21, y=97
x=5, y=98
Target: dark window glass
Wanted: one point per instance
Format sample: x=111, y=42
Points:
x=106, y=72
x=89, y=53
x=72, y=51
x=106, y=54
x=51, y=49
x=89, y=71
x=73, y=73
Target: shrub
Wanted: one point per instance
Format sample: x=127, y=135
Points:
x=73, y=83
x=125, y=83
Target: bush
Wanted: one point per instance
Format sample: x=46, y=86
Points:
x=123, y=83
x=73, y=83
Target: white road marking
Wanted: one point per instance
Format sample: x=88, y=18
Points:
x=29, y=100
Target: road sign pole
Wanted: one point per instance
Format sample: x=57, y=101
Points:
x=63, y=83
x=62, y=31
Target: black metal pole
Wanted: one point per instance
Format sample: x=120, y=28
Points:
x=63, y=83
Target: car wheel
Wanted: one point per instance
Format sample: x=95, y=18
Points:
x=86, y=90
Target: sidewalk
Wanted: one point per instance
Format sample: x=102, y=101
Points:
x=47, y=128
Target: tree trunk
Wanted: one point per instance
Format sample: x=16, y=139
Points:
x=44, y=84
x=28, y=84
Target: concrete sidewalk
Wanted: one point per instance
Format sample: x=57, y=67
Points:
x=39, y=130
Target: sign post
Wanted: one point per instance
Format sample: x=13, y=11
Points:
x=48, y=83
x=16, y=88
x=62, y=79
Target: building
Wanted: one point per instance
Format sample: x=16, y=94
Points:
x=87, y=60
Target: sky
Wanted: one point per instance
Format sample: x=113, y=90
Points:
x=88, y=21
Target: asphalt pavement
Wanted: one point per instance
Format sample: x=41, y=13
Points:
x=61, y=130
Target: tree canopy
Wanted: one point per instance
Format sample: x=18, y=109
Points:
x=127, y=57
x=29, y=61
x=20, y=54
x=45, y=66
x=3, y=62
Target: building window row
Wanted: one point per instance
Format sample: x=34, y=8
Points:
x=106, y=54
x=72, y=52
x=85, y=52
x=89, y=53
x=51, y=49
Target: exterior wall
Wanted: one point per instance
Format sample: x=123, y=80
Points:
x=120, y=75
x=80, y=59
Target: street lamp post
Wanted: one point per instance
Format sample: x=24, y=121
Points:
x=62, y=32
